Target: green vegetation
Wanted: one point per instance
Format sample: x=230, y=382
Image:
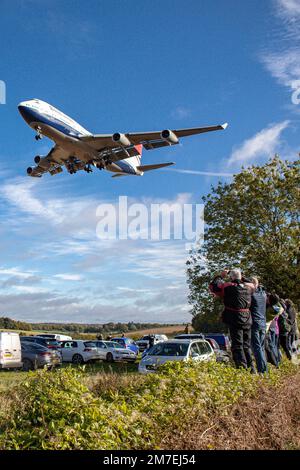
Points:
x=252, y=223
x=77, y=329
x=72, y=409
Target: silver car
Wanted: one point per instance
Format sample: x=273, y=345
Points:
x=175, y=350
x=111, y=351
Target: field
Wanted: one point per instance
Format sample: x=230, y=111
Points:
x=168, y=330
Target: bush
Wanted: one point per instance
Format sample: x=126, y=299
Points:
x=58, y=410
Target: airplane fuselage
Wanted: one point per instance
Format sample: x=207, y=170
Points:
x=48, y=121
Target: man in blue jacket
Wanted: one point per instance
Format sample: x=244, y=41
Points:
x=258, y=333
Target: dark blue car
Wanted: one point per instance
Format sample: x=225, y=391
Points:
x=127, y=343
x=221, y=339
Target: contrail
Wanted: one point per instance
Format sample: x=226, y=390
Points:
x=201, y=173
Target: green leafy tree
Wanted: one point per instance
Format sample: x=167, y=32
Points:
x=251, y=223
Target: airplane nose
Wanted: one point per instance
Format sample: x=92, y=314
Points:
x=25, y=112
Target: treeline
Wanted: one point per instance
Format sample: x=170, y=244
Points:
x=9, y=324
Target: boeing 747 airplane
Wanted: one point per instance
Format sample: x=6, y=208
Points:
x=77, y=149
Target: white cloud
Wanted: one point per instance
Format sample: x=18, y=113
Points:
x=68, y=277
x=16, y=272
x=30, y=289
x=284, y=66
x=288, y=8
x=284, y=63
x=263, y=144
x=181, y=112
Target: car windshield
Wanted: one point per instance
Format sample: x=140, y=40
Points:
x=169, y=349
x=112, y=344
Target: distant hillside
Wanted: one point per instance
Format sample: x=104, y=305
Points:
x=93, y=328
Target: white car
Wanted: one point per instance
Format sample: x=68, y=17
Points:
x=111, y=351
x=144, y=342
x=175, y=350
x=79, y=351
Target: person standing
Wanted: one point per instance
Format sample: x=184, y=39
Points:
x=292, y=315
x=284, y=330
x=259, y=324
x=236, y=295
x=274, y=310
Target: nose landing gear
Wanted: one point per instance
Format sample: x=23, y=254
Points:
x=38, y=135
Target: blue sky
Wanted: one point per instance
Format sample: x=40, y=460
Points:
x=132, y=66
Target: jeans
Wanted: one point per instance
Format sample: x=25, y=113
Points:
x=241, y=346
x=258, y=336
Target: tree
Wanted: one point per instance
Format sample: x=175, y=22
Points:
x=251, y=223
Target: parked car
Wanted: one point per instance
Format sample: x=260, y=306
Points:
x=175, y=350
x=56, y=336
x=35, y=356
x=127, y=343
x=144, y=342
x=47, y=342
x=10, y=350
x=111, y=351
x=221, y=356
x=79, y=351
x=222, y=340
x=190, y=336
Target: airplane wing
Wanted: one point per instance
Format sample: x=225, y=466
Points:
x=51, y=163
x=149, y=140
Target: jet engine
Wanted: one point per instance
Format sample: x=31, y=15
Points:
x=169, y=136
x=43, y=162
x=121, y=139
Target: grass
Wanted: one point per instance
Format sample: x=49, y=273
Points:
x=114, y=408
x=11, y=378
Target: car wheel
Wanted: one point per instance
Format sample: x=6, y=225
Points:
x=27, y=365
x=77, y=359
x=109, y=357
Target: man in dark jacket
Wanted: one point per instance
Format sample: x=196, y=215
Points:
x=259, y=326
x=292, y=315
x=236, y=295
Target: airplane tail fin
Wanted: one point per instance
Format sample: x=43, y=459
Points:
x=139, y=148
x=155, y=166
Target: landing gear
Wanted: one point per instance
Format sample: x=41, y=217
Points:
x=38, y=133
x=88, y=168
x=71, y=169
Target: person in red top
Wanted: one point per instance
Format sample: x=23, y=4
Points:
x=236, y=294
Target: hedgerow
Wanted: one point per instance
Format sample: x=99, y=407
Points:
x=59, y=411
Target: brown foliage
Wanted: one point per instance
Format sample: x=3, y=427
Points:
x=270, y=421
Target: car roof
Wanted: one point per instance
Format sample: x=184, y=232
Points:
x=180, y=341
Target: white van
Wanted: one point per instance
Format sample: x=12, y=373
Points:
x=10, y=350
x=57, y=337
